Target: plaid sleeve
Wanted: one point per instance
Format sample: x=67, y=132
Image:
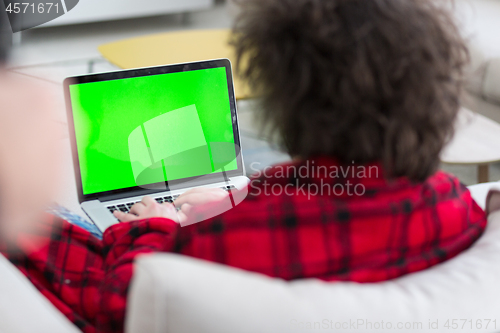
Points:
x=64, y=265
x=122, y=243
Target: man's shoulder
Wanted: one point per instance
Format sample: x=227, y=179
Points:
x=443, y=182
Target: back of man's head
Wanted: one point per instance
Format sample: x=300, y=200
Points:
x=357, y=80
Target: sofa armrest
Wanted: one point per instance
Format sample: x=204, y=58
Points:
x=23, y=309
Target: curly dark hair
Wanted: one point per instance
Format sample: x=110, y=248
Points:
x=358, y=80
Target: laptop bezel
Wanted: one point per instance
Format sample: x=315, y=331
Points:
x=141, y=72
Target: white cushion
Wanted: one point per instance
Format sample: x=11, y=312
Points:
x=174, y=294
x=23, y=309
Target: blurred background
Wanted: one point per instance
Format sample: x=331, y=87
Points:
x=69, y=46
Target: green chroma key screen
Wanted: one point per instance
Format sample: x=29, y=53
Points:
x=150, y=129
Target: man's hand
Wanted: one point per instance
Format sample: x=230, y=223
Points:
x=148, y=208
x=197, y=197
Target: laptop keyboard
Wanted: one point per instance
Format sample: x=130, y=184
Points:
x=126, y=206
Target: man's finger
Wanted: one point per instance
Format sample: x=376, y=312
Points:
x=124, y=217
x=169, y=205
x=148, y=201
x=181, y=217
x=200, y=197
x=191, y=198
x=138, y=208
x=170, y=210
x=186, y=208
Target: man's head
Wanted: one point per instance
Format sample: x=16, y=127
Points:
x=358, y=80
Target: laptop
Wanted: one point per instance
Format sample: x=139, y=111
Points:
x=156, y=131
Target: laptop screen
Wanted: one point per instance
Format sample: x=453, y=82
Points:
x=150, y=129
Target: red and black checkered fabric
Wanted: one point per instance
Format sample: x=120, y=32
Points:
x=394, y=228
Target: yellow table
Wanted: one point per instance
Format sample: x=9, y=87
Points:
x=172, y=48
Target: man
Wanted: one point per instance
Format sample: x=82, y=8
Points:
x=363, y=95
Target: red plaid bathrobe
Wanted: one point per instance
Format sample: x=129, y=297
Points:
x=387, y=229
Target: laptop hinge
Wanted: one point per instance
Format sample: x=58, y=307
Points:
x=129, y=194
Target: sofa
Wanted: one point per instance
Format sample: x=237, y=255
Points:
x=23, y=309
x=176, y=294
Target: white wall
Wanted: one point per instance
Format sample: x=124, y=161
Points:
x=102, y=10
x=480, y=21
